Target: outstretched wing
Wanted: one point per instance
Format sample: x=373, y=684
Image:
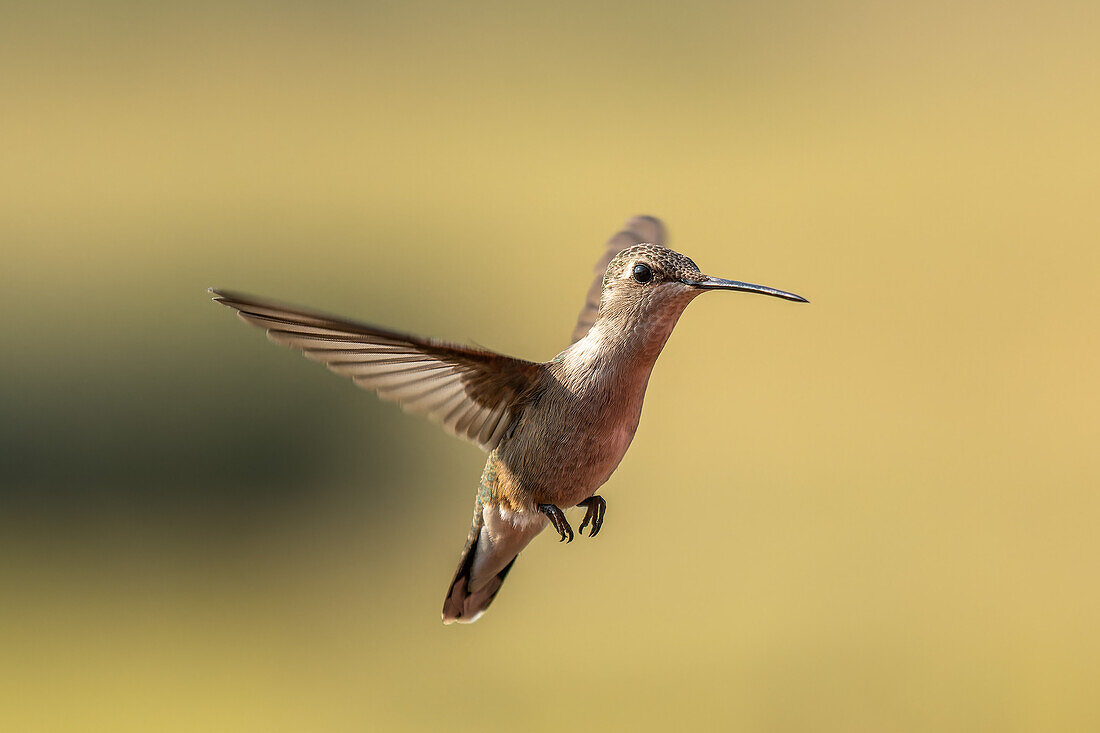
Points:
x=474, y=393
x=639, y=230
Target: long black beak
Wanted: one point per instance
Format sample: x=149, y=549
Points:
x=717, y=283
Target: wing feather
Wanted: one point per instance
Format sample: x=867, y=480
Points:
x=475, y=393
x=639, y=230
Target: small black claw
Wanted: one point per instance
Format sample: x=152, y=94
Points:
x=596, y=506
x=557, y=518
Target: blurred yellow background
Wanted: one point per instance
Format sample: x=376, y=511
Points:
x=877, y=512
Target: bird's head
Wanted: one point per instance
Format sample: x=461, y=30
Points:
x=648, y=284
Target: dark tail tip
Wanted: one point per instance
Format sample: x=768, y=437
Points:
x=462, y=606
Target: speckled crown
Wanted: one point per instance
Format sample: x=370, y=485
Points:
x=665, y=263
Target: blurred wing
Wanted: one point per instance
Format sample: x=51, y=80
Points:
x=639, y=230
x=475, y=394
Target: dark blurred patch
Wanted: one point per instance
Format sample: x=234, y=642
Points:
x=181, y=448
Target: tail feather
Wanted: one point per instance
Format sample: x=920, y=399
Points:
x=497, y=536
x=463, y=605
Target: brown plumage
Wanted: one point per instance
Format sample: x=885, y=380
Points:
x=555, y=431
x=474, y=393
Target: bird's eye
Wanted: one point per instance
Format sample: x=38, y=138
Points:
x=642, y=273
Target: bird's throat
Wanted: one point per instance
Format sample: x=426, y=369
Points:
x=618, y=350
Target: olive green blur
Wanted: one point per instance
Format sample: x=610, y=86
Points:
x=876, y=512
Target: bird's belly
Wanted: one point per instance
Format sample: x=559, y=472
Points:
x=575, y=464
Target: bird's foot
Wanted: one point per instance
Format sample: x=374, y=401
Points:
x=557, y=518
x=596, y=506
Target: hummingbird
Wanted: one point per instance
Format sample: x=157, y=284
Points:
x=555, y=431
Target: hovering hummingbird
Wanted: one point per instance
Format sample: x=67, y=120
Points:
x=556, y=431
